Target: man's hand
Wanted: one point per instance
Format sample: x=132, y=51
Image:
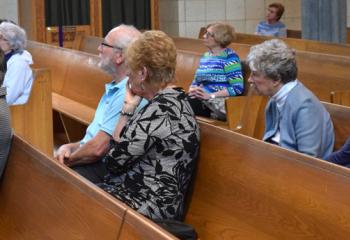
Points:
x=63, y=153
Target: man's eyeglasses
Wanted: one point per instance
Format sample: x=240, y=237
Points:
x=110, y=46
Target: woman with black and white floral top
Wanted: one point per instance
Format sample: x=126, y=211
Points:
x=152, y=162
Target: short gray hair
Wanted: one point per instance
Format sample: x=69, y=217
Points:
x=15, y=35
x=131, y=33
x=274, y=59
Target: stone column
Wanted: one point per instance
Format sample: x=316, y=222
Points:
x=324, y=20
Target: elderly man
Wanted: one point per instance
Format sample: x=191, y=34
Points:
x=85, y=155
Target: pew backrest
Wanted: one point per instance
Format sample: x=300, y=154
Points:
x=86, y=44
x=248, y=189
x=41, y=199
x=75, y=74
x=321, y=73
x=298, y=44
x=246, y=115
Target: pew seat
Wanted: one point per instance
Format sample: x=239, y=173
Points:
x=41, y=199
x=73, y=109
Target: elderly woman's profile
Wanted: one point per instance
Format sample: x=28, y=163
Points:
x=219, y=74
x=152, y=162
x=295, y=118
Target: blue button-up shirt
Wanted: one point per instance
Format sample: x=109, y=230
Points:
x=108, y=110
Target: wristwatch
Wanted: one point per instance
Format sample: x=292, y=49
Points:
x=212, y=96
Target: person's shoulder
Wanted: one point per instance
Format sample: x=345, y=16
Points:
x=262, y=23
x=280, y=24
x=302, y=96
x=23, y=57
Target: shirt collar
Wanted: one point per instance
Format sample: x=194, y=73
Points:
x=281, y=96
x=115, y=86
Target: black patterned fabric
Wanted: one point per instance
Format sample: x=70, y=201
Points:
x=152, y=166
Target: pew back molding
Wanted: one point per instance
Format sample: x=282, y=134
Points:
x=33, y=120
x=41, y=199
x=293, y=40
x=247, y=189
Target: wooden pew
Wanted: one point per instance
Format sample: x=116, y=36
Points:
x=89, y=44
x=313, y=68
x=77, y=84
x=40, y=199
x=247, y=116
x=313, y=65
x=33, y=120
x=340, y=117
x=341, y=97
x=299, y=44
x=77, y=98
x=247, y=189
x=293, y=33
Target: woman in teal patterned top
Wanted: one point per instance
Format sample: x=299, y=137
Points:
x=219, y=74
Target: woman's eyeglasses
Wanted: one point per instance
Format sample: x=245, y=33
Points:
x=209, y=34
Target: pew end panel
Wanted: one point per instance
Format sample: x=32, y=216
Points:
x=248, y=189
x=341, y=97
x=136, y=226
x=340, y=116
x=33, y=120
x=246, y=115
x=40, y=199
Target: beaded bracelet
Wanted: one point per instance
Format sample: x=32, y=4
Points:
x=128, y=114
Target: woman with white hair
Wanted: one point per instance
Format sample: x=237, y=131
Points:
x=19, y=76
x=295, y=118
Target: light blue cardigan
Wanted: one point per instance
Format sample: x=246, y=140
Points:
x=305, y=124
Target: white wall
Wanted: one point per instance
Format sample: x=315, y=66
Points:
x=9, y=10
x=186, y=17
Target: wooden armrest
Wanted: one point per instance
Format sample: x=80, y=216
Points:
x=73, y=109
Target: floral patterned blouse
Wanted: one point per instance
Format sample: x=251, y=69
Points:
x=152, y=166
